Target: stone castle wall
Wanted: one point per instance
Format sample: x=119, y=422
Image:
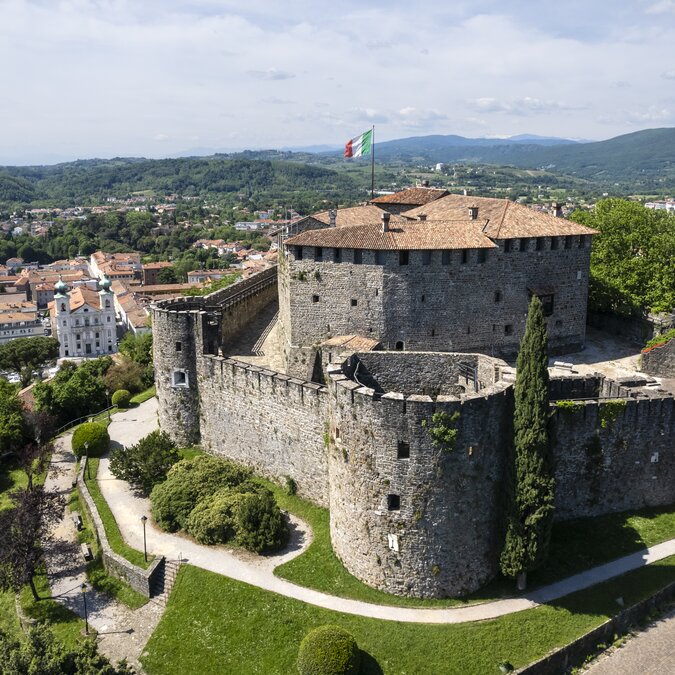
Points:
x=444, y=535
x=659, y=361
x=430, y=306
x=268, y=421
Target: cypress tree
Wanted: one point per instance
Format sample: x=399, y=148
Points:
x=532, y=484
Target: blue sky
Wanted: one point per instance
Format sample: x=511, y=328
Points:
x=85, y=78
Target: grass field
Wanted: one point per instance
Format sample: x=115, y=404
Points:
x=112, y=531
x=237, y=628
x=143, y=396
x=11, y=478
x=575, y=546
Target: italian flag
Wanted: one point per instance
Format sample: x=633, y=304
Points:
x=361, y=145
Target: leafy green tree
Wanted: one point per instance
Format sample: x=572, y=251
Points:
x=92, y=435
x=13, y=432
x=329, y=650
x=167, y=276
x=137, y=347
x=147, y=463
x=633, y=257
x=25, y=355
x=532, y=483
x=125, y=374
x=42, y=654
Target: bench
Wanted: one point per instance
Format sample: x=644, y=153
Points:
x=77, y=519
x=86, y=552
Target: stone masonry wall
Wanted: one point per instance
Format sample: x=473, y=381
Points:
x=266, y=420
x=614, y=456
x=660, y=361
x=448, y=525
x=459, y=306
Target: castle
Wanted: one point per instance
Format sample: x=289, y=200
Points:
x=385, y=320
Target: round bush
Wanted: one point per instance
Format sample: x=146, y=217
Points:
x=96, y=435
x=121, y=398
x=188, y=482
x=329, y=650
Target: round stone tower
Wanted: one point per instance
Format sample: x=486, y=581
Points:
x=175, y=336
x=415, y=457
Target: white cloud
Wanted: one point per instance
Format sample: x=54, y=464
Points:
x=661, y=7
x=270, y=74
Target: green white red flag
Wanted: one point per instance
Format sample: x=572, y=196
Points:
x=361, y=145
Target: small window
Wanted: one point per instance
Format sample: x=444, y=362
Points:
x=539, y=243
x=318, y=253
x=77, y=337
x=465, y=256
x=315, y=298
x=179, y=346
x=524, y=244
x=554, y=243
x=508, y=329
x=399, y=346
x=508, y=246
x=445, y=257
x=380, y=257
x=498, y=296
x=403, y=451
x=108, y=319
x=582, y=241
x=482, y=255
x=107, y=304
x=337, y=432
x=337, y=255
x=433, y=332
x=298, y=252
x=66, y=352
x=358, y=256
x=394, y=502
x=354, y=302
x=96, y=336
x=63, y=306
x=423, y=298
x=179, y=378
x=403, y=257
x=547, y=304
x=426, y=257
x=569, y=241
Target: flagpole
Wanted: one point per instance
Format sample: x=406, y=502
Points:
x=372, y=164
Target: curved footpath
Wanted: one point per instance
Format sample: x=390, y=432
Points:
x=130, y=426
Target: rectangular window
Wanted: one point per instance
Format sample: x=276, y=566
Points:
x=508, y=245
x=403, y=451
x=540, y=243
x=403, y=257
x=482, y=255
x=582, y=241
x=568, y=242
x=354, y=302
x=554, y=243
x=96, y=336
x=524, y=244
x=380, y=257
x=547, y=304
x=337, y=255
x=179, y=346
x=298, y=252
x=315, y=298
x=508, y=329
x=318, y=253
x=179, y=378
x=426, y=257
x=445, y=257
x=358, y=256
x=394, y=502
x=465, y=256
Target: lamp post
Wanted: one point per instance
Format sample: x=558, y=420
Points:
x=86, y=454
x=144, y=519
x=83, y=588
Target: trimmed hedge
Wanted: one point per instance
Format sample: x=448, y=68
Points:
x=329, y=650
x=96, y=435
x=121, y=398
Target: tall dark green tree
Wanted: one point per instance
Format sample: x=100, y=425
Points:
x=531, y=477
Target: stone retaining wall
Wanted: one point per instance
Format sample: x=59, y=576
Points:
x=141, y=580
x=659, y=361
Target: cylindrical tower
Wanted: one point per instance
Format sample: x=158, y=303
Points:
x=175, y=336
x=415, y=478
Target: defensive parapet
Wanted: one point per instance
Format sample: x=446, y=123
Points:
x=416, y=479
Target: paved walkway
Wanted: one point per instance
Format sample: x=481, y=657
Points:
x=128, y=508
x=651, y=652
x=122, y=633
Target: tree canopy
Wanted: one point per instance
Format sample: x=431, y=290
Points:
x=12, y=423
x=633, y=258
x=24, y=355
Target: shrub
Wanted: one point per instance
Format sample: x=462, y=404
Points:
x=96, y=435
x=126, y=374
x=147, y=463
x=121, y=398
x=212, y=521
x=329, y=650
x=259, y=523
x=189, y=481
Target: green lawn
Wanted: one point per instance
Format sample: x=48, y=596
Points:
x=143, y=396
x=575, y=546
x=237, y=628
x=11, y=478
x=112, y=531
x=9, y=621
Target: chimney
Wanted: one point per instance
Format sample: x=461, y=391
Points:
x=332, y=215
x=473, y=213
x=422, y=216
x=385, y=221
x=556, y=210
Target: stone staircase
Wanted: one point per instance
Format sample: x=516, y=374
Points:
x=162, y=584
x=257, y=347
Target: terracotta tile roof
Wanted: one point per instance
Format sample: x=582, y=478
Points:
x=416, y=196
x=506, y=219
x=157, y=265
x=356, y=215
x=17, y=306
x=84, y=296
x=357, y=343
x=402, y=235
x=16, y=317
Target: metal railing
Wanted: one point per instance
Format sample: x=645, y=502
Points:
x=79, y=420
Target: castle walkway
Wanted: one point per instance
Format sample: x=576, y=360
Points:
x=128, y=427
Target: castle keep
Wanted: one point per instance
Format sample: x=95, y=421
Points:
x=388, y=327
